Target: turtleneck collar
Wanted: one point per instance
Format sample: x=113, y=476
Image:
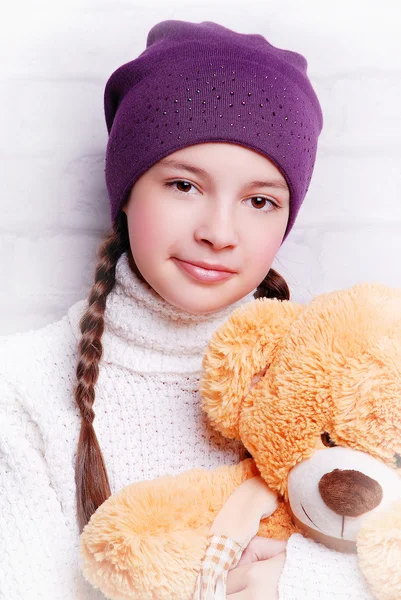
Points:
x=146, y=333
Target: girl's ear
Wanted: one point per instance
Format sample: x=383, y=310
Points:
x=238, y=354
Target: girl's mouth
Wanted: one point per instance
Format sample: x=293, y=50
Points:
x=202, y=274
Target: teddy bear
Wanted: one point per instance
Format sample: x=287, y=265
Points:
x=313, y=391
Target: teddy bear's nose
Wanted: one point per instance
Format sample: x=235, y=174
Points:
x=350, y=493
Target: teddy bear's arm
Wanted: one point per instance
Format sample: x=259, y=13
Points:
x=147, y=541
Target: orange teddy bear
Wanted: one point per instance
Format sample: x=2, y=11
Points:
x=314, y=393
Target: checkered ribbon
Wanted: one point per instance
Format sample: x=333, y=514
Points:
x=222, y=554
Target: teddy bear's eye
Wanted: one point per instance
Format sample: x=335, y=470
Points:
x=397, y=458
x=326, y=440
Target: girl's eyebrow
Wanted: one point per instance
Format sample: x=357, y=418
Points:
x=169, y=162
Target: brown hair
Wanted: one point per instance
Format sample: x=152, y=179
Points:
x=92, y=484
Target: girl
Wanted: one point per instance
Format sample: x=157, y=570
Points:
x=212, y=142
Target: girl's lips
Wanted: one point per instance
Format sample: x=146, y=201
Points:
x=201, y=274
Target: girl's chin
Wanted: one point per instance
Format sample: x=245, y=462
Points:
x=198, y=301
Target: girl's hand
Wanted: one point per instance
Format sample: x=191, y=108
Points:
x=240, y=516
x=258, y=572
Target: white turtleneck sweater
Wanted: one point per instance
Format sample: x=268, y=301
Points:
x=148, y=423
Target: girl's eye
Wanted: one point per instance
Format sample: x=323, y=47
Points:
x=186, y=185
x=262, y=204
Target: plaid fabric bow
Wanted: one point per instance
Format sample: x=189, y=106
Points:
x=222, y=554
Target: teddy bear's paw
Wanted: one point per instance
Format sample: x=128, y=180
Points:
x=379, y=549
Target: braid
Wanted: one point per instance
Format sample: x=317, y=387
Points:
x=92, y=485
x=273, y=286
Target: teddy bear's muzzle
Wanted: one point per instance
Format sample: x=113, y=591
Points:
x=336, y=489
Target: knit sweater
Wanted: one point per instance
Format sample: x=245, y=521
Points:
x=148, y=423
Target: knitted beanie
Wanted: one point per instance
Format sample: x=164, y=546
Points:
x=202, y=82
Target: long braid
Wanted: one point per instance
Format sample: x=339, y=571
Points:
x=92, y=484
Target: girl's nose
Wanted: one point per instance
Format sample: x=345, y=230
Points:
x=218, y=229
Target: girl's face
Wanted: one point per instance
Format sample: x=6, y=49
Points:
x=215, y=210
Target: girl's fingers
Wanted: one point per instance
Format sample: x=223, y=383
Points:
x=261, y=548
x=262, y=575
x=244, y=595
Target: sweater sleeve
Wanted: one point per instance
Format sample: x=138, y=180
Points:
x=314, y=572
x=222, y=554
x=36, y=548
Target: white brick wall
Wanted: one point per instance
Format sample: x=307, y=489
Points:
x=57, y=57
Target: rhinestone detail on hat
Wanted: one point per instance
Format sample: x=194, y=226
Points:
x=234, y=96
x=231, y=105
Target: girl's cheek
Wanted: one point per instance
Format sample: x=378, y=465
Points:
x=144, y=225
x=266, y=247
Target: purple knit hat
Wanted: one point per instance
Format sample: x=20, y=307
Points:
x=202, y=82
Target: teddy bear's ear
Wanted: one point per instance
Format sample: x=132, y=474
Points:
x=238, y=354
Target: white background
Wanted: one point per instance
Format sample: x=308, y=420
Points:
x=56, y=59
